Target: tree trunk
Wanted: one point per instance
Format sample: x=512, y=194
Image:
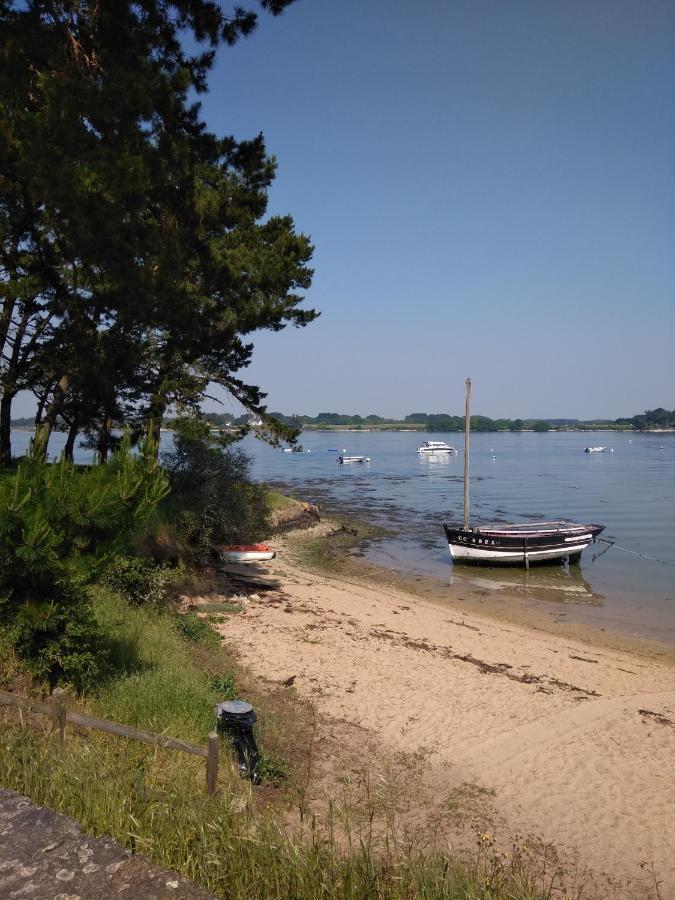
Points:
x=69, y=449
x=156, y=411
x=6, y=427
x=104, y=439
x=44, y=431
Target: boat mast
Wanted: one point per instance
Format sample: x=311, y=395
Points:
x=467, y=433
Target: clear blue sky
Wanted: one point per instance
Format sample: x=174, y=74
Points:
x=490, y=188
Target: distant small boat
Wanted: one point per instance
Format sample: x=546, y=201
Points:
x=244, y=552
x=435, y=447
x=595, y=449
x=352, y=459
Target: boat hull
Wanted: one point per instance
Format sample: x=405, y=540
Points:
x=425, y=450
x=520, y=545
x=240, y=553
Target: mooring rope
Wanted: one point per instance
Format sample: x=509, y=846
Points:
x=664, y=562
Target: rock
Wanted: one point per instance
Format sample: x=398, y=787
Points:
x=46, y=856
x=297, y=515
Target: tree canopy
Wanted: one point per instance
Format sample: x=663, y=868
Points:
x=137, y=255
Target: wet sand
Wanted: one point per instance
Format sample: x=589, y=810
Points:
x=570, y=732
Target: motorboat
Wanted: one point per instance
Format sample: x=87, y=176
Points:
x=352, y=459
x=595, y=449
x=520, y=544
x=240, y=553
x=435, y=447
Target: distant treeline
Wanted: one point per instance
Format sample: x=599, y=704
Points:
x=441, y=422
x=445, y=422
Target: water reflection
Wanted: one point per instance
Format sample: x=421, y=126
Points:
x=560, y=584
x=438, y=459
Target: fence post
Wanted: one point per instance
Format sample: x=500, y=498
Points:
x=212, y=764
x=58, y=705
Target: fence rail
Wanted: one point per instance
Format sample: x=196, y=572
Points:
x=56, y=709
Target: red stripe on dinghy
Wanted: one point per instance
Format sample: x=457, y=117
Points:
x=243, y=548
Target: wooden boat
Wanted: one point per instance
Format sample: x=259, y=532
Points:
x=520, y=544
x=239, y=553
x=516, y=544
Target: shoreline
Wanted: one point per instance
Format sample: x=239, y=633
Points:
x=527, y=727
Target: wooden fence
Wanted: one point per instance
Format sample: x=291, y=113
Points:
x=56, y=709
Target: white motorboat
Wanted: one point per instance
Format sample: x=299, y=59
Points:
x=595, y=449
x=435, y=447
x=352, y=459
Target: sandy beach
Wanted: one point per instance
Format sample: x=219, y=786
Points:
x=569, y=741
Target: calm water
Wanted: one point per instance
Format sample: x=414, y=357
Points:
x=532, y=476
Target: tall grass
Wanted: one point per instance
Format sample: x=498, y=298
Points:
x=153, y=801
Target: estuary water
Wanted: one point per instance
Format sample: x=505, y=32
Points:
x=514, y=478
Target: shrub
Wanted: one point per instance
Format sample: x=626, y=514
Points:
x=212, y=499
x=59, y=527
x=140, y=580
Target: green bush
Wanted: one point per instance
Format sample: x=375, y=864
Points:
x=140, y=580
x=212, y=500
x=60, y=525
x=192, y=628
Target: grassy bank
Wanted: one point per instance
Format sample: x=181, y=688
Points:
x=166, y=674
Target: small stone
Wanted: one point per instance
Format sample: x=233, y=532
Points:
x=90, y=868
x=27, y=871
x=113, y=867
x=52, y=846
x=64, y=875
x=172, y=884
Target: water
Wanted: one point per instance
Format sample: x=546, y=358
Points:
x=532, y=476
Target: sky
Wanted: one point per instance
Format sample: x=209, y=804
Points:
x=490, y=190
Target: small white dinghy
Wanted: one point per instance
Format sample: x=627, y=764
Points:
x=353, y=459
x=239, y=553
x=595, y=449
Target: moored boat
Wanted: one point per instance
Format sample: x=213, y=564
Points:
x=352, y=459
x=435, y=447
x=244, y=552
x=520, y=544
x=513, y=544
x=595, y=449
